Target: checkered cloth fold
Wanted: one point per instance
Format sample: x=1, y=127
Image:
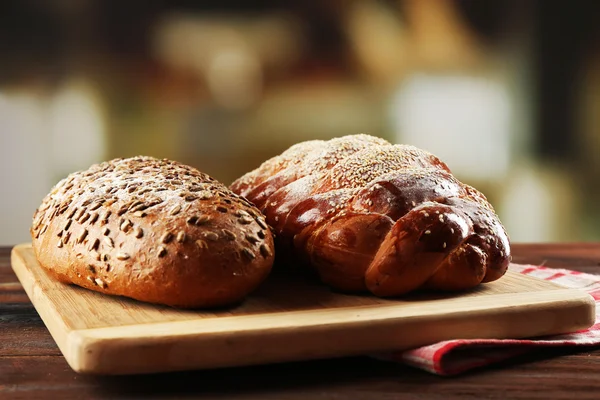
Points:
x=453, y=357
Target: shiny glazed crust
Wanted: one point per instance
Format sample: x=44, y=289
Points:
x=153, y=230
x=369, y=215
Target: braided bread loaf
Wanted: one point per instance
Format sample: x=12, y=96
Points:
x=369, y=215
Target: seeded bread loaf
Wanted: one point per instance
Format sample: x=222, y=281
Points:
x=369, y=215
x=153, y=230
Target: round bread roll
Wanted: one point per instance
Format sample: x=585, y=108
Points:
x=153, y=230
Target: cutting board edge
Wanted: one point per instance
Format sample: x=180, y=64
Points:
x=93, y=351
x=53, y=320
x=351, y=315
x=90, y=351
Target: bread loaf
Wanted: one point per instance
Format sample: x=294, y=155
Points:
x=153, y=230
x=369, y=215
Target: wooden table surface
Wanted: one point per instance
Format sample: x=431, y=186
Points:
x=31, y=365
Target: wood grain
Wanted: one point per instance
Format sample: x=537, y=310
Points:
x=564, y=373
x=110, y=335
x=280, y=294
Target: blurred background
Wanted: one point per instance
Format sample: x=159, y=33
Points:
x=506, y=92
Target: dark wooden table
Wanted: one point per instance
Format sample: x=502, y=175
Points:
x=31, y=366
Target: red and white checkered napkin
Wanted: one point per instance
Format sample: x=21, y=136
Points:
x=456, y=356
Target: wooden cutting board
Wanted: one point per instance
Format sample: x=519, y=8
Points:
x=286, y=319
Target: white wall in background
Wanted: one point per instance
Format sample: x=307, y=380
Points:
x=479, y=128
x=464, y=120
x=77, y=129
x=538, y=204
x=41, y=140
x=25, y=172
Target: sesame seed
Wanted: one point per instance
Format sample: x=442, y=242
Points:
x=248, y=253
x=203, y=219
x=181, y=237
x=72, y=213
x=241, y=213
x=78, y=214
x=175, y=210
x=264, y=250
x=427, y=232
x=95, y=205
x=211, y=236
x=108, y=241
x=126, y=225
x=132, y=206
x=104, y=219
x=82, y=236
x=201, y=244
x=140, y=207
x=245, y=220
x=261, y=223
x=95, y=244
x=252, y=239
x=138, y=232
x=166, y=237
x=205, y=195
x=94, y=218
x=229, y=234
x=162, y=251
x=123, y=256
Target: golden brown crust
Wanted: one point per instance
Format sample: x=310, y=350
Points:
x=369, y=215
x=153, y=230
